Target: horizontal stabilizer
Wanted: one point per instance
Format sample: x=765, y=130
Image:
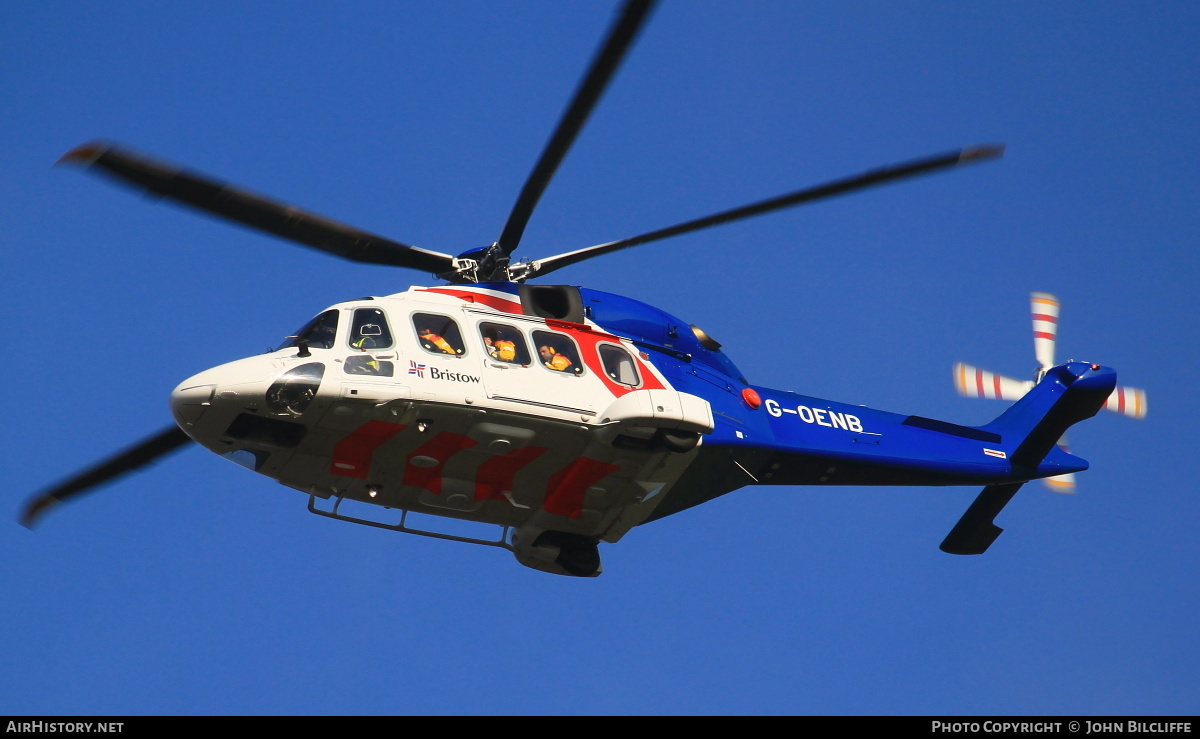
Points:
x=975, y=531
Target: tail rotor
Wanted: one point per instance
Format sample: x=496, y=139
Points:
x=973, y=382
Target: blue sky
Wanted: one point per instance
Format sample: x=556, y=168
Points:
x=198, y=588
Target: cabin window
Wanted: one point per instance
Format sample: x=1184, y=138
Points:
x=370, y=330
x=438, y=334
x=557, y=352
x=618, y=365
x=504, y=343
x=319, y=333
x=365, y=364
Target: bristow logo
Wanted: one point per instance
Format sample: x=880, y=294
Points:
x=437, y=374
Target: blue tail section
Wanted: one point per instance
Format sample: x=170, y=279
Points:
x=1068, y=394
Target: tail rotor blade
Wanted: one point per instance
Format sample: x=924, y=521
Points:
x=973, y=382
x=1128, y=401
x=1044, y=309
x=1061, y=483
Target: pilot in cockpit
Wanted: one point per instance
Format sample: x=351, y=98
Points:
x=322, y=335
x=367, y=338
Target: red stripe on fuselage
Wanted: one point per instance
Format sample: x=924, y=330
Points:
x=352, y=455
x=495, y=476
x=440, y=448
x=566, y=488
x=491, y=301
x=588, y=338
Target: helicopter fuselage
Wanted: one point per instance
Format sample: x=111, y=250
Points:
x=565, y=416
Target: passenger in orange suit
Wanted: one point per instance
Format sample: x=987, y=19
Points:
x=553, y=359
x=502, y=349
x=430, y=337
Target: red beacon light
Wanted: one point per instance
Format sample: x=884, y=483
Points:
x=750, y=395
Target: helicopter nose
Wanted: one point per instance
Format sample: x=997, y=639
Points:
x=190, y=400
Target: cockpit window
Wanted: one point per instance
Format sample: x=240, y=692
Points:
x=370, y=330
x=618, y=365
x=438, y=334
x=557, y=352
x=319, y=333
x=504, y=343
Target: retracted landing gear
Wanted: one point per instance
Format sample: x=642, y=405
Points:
x=578, y=555
x=559, y=552
x=674, y=440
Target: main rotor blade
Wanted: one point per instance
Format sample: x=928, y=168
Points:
x=228, y=201
x=603, y=67
x=808, y=195
x=129, y=460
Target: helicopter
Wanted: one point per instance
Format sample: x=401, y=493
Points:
x=560, y=415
